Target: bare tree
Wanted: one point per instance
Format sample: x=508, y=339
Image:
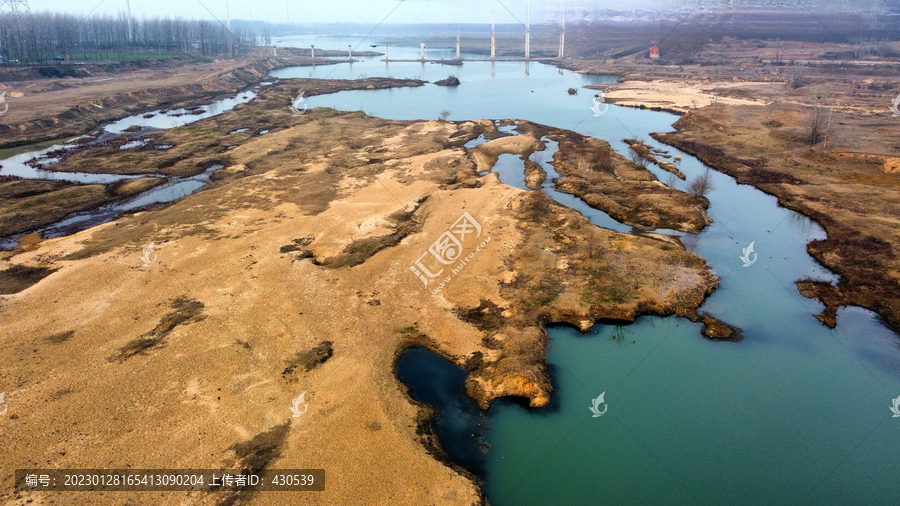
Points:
x=796, y=79
x=538, y=157
x=445, y=114
x=637, y=157
x=816, y=126
x=690, y=242
x=701, y=185
x=672, y=181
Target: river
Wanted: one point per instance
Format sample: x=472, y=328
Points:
x=795, y=413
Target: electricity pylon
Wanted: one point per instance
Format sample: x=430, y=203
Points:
x=16, y=7
x=12, y=11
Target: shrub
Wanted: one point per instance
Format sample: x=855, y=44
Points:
x=605, y=161
x=536, y=205
x=796, y=80
x=637, y=157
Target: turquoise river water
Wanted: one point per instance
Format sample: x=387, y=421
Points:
x=794, y=414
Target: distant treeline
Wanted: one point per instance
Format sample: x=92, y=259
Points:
x=48, y=36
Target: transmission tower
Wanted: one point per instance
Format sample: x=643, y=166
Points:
x=17, y=8
x=11, y=13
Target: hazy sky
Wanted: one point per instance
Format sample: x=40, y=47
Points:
x=353, y=11
x=391, y=11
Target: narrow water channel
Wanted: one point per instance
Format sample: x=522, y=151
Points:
x=16, y=163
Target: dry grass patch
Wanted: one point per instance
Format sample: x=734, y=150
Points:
x=19, y=277
x=185, y=311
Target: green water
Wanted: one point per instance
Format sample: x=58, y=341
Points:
x=694, y=422
x=794, y=414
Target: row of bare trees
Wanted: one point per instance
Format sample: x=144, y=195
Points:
x=50, y=36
